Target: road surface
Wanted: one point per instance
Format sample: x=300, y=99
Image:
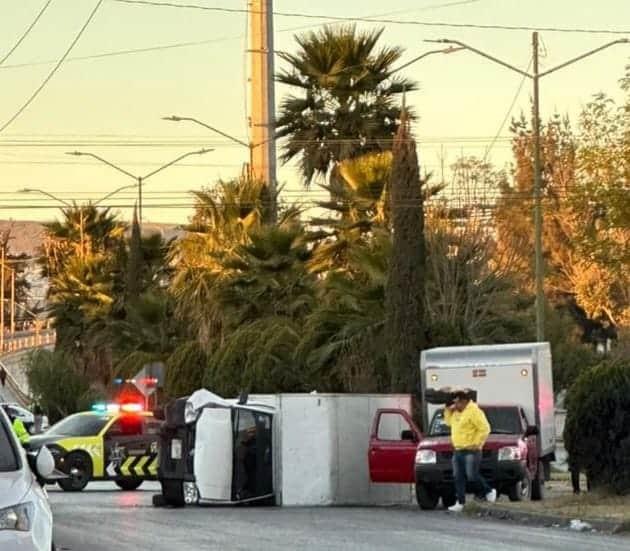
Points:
x=103, y=518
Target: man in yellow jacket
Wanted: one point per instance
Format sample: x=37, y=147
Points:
x=469, y=431
x=18, y=427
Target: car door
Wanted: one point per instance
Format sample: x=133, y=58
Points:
x=393, y=442
x=125, y=447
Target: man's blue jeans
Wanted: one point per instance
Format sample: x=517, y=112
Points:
x=466, y=466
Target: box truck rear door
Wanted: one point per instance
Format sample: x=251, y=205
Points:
x=393, y=443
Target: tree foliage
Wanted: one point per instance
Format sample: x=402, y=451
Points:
x=597, y=429
x=347, y=105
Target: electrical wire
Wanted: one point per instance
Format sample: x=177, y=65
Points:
x=384, y=21
x=26, y=32
x=163, y=47
x=508, y=113
x=54, y=70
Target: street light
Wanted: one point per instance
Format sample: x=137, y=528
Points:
x=251, y=146
x=538, y=216
x=71, y=206
x=139, y=179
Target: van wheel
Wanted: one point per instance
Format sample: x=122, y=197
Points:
x=129, y=484
x=538, y=484
x=78, y=467
x=520, y=490
x=427, y=497
x=173, y=493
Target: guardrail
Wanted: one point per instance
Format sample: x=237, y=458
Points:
x=32, y=339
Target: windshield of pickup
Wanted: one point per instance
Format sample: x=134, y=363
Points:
x=503, y=420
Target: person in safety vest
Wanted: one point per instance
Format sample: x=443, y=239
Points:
x=18, y=427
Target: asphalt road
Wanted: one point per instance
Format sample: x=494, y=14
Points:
x=103, y=518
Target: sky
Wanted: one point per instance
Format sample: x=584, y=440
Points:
x=121, y=99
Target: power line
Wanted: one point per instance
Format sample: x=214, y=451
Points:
x=357, y=19
x=508, y=113
x=54, y=70
x=175, y=45
x=26, y=32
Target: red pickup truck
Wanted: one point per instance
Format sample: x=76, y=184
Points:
x=398, y=452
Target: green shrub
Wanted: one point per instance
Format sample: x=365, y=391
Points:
x=184, y=370
x=56, y=385
x=597, y=429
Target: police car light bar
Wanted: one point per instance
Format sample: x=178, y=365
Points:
x=115, y=408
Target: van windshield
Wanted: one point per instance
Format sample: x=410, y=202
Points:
x=8, y=455
x=503, y=420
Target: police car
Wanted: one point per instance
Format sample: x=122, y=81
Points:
x=111, y=442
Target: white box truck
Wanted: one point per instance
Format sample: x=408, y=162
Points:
x=519, y=374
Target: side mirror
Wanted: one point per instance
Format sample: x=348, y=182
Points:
x=532, y=430
x=44, y=463
x=408, y=435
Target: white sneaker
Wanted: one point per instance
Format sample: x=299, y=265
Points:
x=457, y=508
x=491, y=496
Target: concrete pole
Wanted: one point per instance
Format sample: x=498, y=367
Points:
x=262, y=97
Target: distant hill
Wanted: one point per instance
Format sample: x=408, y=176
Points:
x=27, y=236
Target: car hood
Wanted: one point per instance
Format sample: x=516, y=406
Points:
x=494, y=442
x=14, y=486
x=36, y=442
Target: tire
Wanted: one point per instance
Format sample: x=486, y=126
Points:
x=448, y=500
x=538, y=484
x=77, y=482
x=520, y=490
x=129, y=484
x=427, y=497
x=173, y=493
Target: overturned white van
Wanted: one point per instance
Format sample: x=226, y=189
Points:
x=284, y=449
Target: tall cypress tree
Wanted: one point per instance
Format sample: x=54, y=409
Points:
x=134, y=260
x=405, y=289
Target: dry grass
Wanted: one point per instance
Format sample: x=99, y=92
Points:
x=559, y=500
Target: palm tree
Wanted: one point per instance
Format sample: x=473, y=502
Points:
x=347, y=106
x=263, y=299
x=222, y=221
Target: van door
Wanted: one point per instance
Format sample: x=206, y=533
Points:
x=213, y=454
x=393, y=444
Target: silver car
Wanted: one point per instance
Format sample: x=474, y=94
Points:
x=25, y=517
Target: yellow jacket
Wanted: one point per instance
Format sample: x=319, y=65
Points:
x=469, y=428
x=20, y=431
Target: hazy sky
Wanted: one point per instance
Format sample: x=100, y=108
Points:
x=122, y=98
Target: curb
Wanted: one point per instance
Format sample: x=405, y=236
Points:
x=545, y=520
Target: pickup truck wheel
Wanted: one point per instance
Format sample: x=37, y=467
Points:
x=427, y=497
x=520, y=490
x=538, y=484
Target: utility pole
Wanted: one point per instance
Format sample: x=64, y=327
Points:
x=538, y=217
x=12, y=302
x=262, y=119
